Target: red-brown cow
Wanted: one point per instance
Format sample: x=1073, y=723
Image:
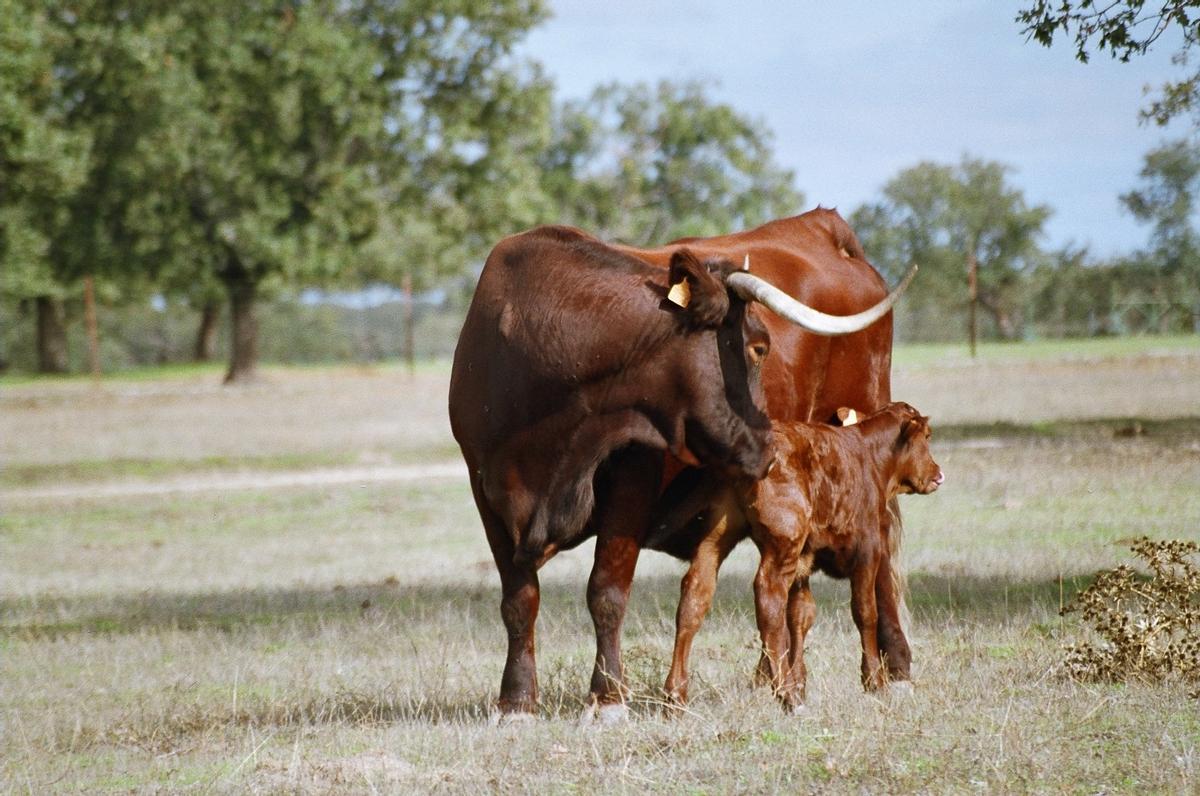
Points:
x=823, y=504
x=573, y=374
x=816, y=258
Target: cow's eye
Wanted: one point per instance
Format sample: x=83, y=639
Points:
x=758, y=352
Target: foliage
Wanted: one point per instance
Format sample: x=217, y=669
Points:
x=1124, y=28
x=42, y=159
x=938, y=216
x=1166, y=276
x=645, y=165
x=1147, y=629
x=247, y=146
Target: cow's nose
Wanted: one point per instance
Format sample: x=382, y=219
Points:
x=940, y=478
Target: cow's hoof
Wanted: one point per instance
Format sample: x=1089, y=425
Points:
x=500, y=718
x=614, y=714
x=604, y=715
x=900, y=688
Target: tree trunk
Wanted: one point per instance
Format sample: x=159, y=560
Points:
x=410, y=353
x=972, y=299
x=206, y=335
x=51, y=335
x=93, y=328
x=243, y=354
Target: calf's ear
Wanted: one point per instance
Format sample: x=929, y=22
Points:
x=700, y=293
x=911, y=427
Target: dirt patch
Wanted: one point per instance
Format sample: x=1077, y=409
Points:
x=237, y=480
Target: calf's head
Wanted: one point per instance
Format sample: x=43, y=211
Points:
x=916, y=471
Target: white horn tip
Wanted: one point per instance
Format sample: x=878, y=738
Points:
x=746, y=263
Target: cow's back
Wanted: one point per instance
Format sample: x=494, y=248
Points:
x=815, y=258
x=553, y=311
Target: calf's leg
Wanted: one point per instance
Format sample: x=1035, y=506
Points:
x=776, y=572
x=897, y=656
x=889, y=590
x=695, y=598
x=863, y=609
x=802, y=612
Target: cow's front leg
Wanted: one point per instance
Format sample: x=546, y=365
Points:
x=624, y=513
x=863, y=608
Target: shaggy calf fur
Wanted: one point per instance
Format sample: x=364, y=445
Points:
x=824, y=504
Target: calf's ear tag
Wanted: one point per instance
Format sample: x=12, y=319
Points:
x=848, y=416
x=680, y=293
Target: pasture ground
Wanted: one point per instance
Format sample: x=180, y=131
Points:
x=209, y=630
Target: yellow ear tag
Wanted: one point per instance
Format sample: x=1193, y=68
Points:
x=848, y=416
x=680, y=294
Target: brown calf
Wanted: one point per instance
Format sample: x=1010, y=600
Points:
x=823, y=504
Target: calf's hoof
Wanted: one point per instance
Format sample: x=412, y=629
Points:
x=795, y=707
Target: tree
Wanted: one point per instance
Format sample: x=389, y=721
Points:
x=258, y=145
x=1124, y=28
x=42, y=162
x=642, y=164
x=466, y=120
x=966, y=226
x=1168, y=200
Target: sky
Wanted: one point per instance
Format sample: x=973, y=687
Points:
x=854, y=92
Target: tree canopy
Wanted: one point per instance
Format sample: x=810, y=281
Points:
x=646, y=164
x=969, y=229
x=1124, y=28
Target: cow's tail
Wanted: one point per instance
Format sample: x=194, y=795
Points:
x=899, y=579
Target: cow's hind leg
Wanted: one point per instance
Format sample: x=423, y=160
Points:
x=624, y=511
x=520, y=597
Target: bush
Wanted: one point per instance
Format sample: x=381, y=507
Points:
x=1144, y=627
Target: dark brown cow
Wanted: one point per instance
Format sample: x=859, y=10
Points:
x=825, y=504
x=572, y=376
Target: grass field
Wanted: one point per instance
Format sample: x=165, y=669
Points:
x=212, y=631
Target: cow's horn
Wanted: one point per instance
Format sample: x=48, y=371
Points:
x=753, y=288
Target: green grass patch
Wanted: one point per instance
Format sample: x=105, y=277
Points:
x=941, y=354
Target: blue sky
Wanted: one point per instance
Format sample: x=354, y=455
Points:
x=856, y=91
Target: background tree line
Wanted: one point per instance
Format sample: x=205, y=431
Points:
x=183, y=161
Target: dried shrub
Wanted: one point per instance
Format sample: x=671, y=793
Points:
x=1144, y=627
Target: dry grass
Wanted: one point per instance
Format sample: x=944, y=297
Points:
x=346, y=640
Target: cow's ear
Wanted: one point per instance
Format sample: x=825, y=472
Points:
x=704, y=299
